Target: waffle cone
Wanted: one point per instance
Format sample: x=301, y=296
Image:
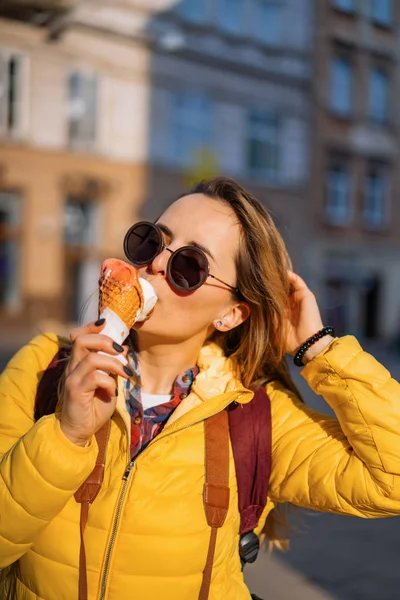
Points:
x=120, y=291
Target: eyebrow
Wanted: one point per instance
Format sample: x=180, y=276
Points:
x=170, y=236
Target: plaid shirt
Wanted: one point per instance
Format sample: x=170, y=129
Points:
x=146, y=424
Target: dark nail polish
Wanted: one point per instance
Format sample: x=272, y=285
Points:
x=117, y=347
x=128, y=371
x=100, y=322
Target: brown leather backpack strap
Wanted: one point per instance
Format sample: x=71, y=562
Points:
x=85, y=495
x=216, y=487
x=82, y=584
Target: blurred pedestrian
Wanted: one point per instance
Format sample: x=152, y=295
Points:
x=225, y=318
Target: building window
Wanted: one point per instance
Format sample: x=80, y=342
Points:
x=378, y=95
x=382, y=12
x=82, y=109
x=376, y=199
x=81, y=237
x=341, y=86
x=10, y=211
x=191, y=126
x=231, y=15
x=268, y=21
x=264, y=147
x=338, y=195
x=10, y=90
x=194, y=10
x=344, y=5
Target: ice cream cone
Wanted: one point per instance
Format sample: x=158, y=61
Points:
x=120, y=290
x=124, y=298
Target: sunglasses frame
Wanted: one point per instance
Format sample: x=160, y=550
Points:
x=174, y=253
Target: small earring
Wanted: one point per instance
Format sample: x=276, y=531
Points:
x=219, y=324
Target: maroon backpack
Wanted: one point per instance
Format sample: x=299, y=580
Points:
x=249, y=428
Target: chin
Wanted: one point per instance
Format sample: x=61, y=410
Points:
x=149, y=327
x=144, y=325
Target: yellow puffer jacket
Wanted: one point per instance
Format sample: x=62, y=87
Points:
x=147, y=537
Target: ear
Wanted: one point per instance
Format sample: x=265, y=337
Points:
x=236, y=315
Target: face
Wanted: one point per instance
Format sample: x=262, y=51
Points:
x=178, y=315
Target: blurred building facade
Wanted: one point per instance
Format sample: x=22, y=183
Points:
x=233, y=98
x=72, y=158
x=354, y=251
x=110, y=109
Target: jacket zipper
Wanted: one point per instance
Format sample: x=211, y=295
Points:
x=122, y=494
x=114, y=529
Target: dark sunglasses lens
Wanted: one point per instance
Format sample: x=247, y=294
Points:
x=188, y=269
x=142, y=244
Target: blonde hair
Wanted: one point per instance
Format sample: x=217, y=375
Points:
x=257, y=345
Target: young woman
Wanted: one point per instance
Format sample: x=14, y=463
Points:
x=229, y=309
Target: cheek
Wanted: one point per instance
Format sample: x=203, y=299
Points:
x=198, y=307
x=188, y=314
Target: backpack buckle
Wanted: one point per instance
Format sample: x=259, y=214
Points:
x=249, y=546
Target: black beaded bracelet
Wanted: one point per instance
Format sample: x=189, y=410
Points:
x=298, y=359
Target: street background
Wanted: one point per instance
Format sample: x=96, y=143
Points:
x=111, y=109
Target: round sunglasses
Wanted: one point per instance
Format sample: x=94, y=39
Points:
x=187, y=267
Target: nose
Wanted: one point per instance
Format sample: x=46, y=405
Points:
x=159, y=264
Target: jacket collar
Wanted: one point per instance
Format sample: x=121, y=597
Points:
x=218, y=374
x=216, y=385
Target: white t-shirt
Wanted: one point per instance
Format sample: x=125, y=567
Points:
x=150, y=400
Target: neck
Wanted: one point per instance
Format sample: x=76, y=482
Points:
x=161, y=362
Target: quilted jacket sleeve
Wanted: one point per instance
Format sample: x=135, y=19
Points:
x=40, y=469
x=350, y=464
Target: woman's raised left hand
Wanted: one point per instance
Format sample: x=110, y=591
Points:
x=304, y=319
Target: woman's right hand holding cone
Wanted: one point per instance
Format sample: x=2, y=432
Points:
x=91, y=383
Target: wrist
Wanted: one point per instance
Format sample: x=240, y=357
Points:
x=317, y=348
x=73, y=436
x=313, y=342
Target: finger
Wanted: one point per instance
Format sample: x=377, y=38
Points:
x=98, y=380
x=296, y=282
x=99, y=343
x=94, y=361
x=87, y=343
x=93, y=327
